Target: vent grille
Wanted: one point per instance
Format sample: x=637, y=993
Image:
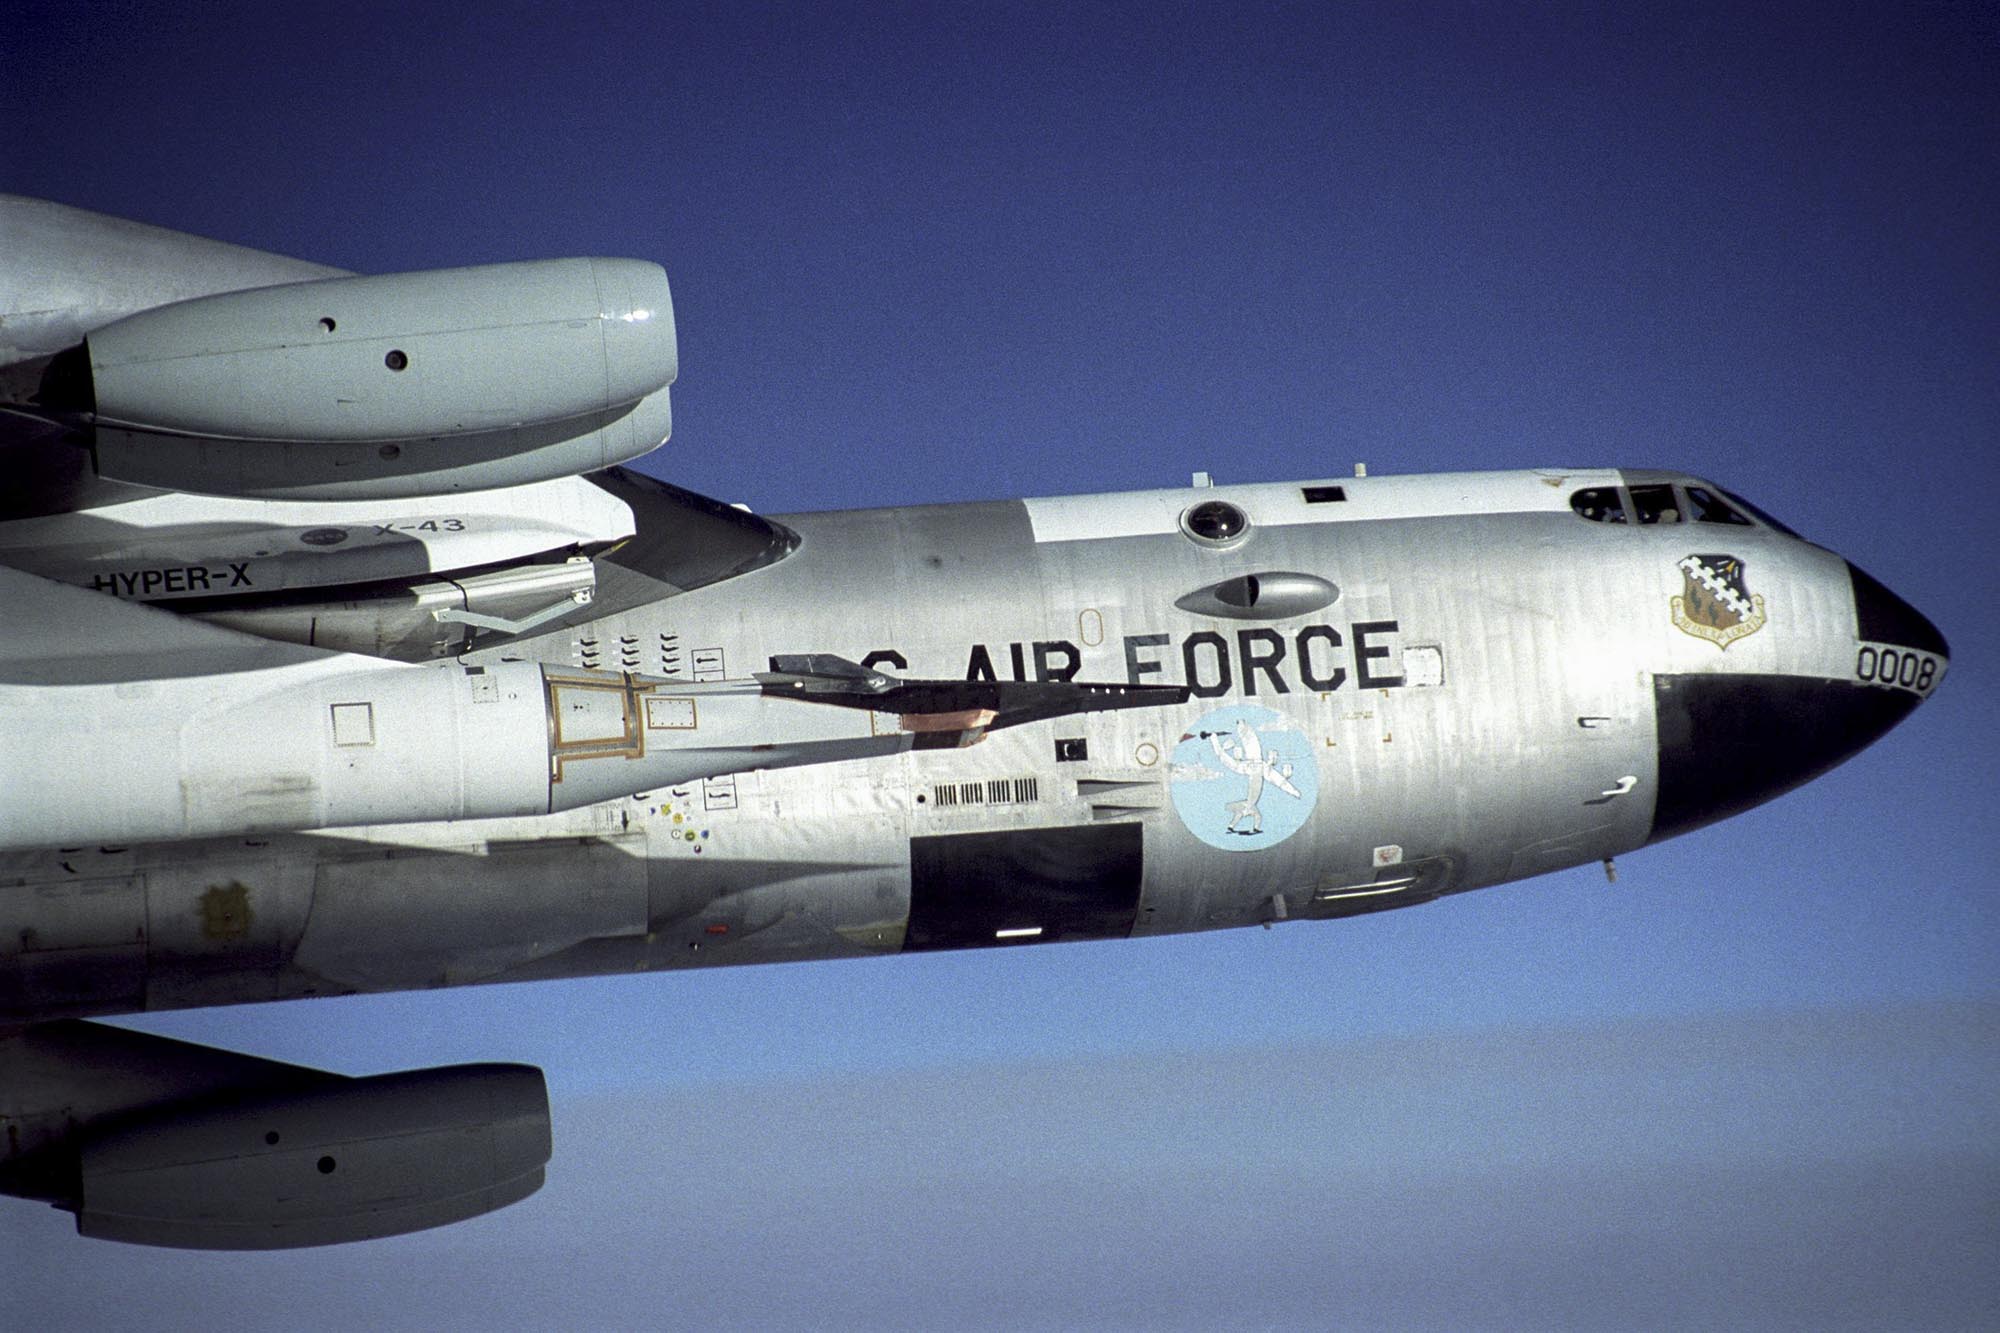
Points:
x=994, y=791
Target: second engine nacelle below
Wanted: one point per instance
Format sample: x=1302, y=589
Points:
x=347, y=1160
x=398, y=384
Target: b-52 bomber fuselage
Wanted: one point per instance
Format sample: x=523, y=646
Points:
x=380, y=730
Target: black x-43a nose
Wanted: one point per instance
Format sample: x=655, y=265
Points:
x=1731, y=740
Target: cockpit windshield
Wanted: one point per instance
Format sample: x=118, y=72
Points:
x=1706, y=507
x=1656, y=503
x=1599, y=504
x=1762, y=517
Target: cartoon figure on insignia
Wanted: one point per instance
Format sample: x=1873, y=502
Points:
x=1224, y=769
x=1249, y=758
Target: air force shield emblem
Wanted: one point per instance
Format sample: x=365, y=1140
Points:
x=1715, y=603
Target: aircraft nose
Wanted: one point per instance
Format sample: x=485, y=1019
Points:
x=1729, y=741
x=1881, y=617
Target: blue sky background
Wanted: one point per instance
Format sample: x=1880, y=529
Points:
x=927, y=253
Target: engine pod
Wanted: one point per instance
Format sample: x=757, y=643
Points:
x=343, y=1161
x=399, y=356
x=390, y=385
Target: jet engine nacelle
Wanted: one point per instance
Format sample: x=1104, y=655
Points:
x=346, y=1160
x=393, y=385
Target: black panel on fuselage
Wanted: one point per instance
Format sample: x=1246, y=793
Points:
x=1028, y=886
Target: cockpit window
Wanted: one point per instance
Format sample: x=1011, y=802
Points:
x=1599, y=504
x=1663, y=502
x=1761, y=516
x=1655, y=504
x=1707, y=507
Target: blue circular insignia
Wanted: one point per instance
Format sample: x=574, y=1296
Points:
x=1244, y=778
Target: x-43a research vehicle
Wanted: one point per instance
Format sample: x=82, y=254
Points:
x=339, y=652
